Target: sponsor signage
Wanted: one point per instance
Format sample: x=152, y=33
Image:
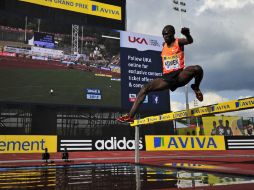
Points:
x=167, y=143
x=223, y=107
x=107, y=144
x=140, y=122
x=81, y=6
x=140, y=64
x=239, y=142
x=201, y=111
x=75, y=145
x=246, y=103
x=233, y=105
x=10, y=50
x=27, y=143
x=141, y=42
x=46, y=52
x=93, y=94
x=116, y=144
x=7, y=54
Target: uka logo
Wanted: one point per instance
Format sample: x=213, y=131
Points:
x=115, y=144
x=138, y=40
x=152, y=42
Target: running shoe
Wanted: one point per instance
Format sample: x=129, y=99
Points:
x=125, y=119
x=198, y=93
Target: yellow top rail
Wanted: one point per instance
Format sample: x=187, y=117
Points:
x=234, y=105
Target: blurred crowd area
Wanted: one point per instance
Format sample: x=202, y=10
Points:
x=94, y=51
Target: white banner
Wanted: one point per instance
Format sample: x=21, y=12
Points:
x=141, y=42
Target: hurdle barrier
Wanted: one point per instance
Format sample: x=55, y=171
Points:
x=233, y=105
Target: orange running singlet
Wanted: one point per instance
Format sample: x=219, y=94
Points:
x=172, y=58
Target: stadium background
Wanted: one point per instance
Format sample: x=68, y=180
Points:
x=34, y=110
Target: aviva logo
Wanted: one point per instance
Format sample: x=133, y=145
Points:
x=159, y=143
x=107, y=11
x=247, y=103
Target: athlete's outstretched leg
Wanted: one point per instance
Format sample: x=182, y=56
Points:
x=188, y=74
x=154, y=85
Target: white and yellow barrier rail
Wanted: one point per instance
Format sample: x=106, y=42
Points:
x=234, y=105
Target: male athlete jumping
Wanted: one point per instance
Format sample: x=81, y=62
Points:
x=175, y=74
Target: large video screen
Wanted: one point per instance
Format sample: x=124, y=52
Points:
x=63, y=61
x=44, y=40
x=49, y=62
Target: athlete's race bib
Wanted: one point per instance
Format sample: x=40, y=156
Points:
x=171, y=62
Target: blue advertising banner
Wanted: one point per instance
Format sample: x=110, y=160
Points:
x=141, y=63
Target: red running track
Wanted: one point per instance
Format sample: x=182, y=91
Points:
x=229, y=161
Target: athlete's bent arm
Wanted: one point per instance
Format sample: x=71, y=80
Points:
x=188, y=38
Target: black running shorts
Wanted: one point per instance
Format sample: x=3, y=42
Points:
x=172, y=79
